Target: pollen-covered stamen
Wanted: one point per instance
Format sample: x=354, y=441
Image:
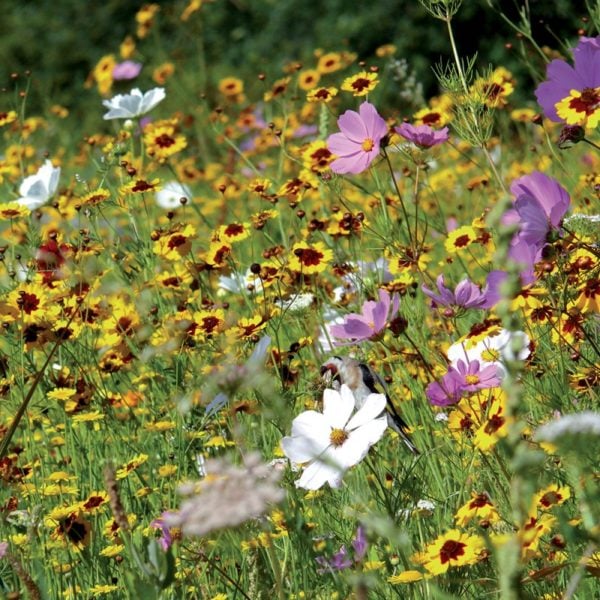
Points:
x=368, y=145
x=472, y=379
x=337, y=437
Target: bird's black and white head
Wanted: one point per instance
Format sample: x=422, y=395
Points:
x=331, y=372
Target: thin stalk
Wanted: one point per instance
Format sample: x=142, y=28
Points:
x=399, y=194
x=21, y=412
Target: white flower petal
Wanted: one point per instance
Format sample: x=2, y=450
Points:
x=356, y=447
x=318, y=473
x=373, y=406
x=312, y=425
x=300, y=449
x=337, y=406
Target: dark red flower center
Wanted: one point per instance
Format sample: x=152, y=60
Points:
x=587, y=103
x=451, y=550
x=29, y=302
x=360, y=84
x=164, y=140
x=309, y=257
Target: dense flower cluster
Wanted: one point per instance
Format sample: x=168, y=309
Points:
x=251, y=311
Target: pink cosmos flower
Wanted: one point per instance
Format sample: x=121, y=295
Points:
x=357, y=146
x=370, y=323
x=126, y=70
x=422, y=135
x=466, y=295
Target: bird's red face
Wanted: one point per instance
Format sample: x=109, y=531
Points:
x=329, y=372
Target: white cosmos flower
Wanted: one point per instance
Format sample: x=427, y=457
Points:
x=37, y=189
x=333, y=441
x=169, y=196
x=134, y=104
x=493, y=350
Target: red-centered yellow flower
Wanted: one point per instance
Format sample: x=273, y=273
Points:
x=322, y=94
x=7, y=117
x=247, y=327
x=127, y=47
x=308, y=79
x=406, y=260
x=589, y=296
x=360, y=84
x=568, y=329
x=494, y=90
x=163, y=73
x=480, y=508
x=102, y=74
x=533, y=529
x=132, y=465
x=145, y=19
x=438, y=114
x=206, y=323
x=581, y=108
x=140, y=186
x=175, y=244
x=551, y=496
x=494, y=425
x=310, y=259
x=279, y=88
x=461, y=238
x=528, y=300
x=162, y=140
x=93, y=198
x=330, y=62
x=317, y=157
x=217, y=254
x=586, y=379
x=13, y=210
x=231, y=86
x=452, y=549
x=232, y=233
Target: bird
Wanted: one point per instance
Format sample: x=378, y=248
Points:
x=362, y=380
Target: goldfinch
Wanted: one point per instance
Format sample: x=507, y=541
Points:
x=361, y=379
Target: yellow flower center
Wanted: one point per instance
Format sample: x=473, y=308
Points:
x=472, y=379
x=337, y=437
x=368, y=145
x=490, y=355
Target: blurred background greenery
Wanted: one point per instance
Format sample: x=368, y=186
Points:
x=61, y=41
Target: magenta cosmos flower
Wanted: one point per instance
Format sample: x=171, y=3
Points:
x=571, y=94
x=357, y=146
x=422, y=135
x=370, y=323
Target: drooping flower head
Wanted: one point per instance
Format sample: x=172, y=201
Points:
x=539, y=207
x=571, y=94
x=358, y=144
x=422, y=135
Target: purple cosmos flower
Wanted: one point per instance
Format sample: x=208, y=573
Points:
x=562, y=78
x=357, y=146
x=471, y=377
x=445, y=392
x=371, y=322
x=466, y=295
x=125, y=70
x=422, y=135
x=338, y=562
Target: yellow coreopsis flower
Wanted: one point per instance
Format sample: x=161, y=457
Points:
x=452, y=549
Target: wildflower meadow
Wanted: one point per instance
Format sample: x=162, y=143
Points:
x=316, y=331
